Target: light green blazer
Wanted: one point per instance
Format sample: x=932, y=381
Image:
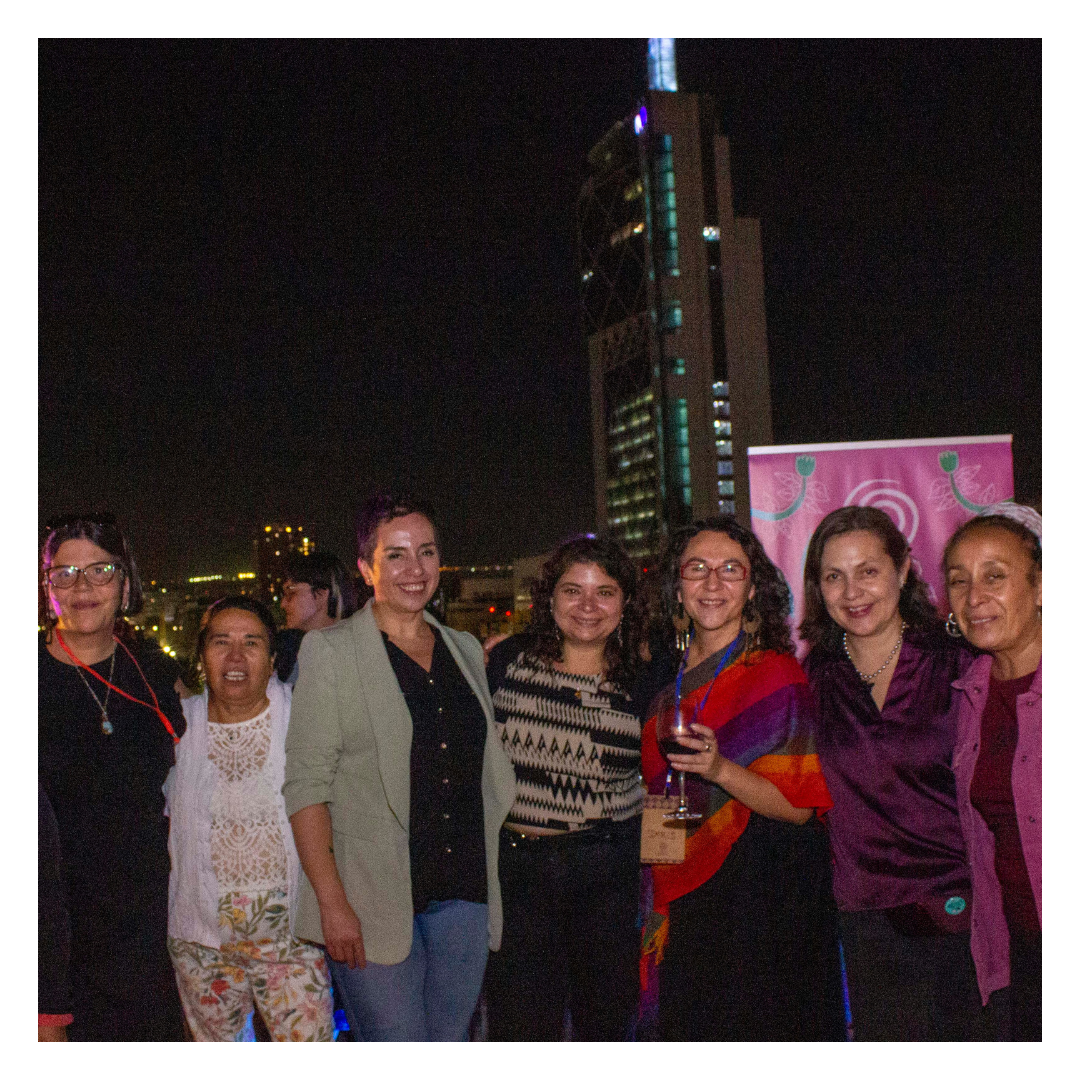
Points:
x=349, y=745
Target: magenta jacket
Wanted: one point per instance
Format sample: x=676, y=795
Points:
x=989, y=933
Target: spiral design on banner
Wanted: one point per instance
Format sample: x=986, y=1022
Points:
x=886, y=495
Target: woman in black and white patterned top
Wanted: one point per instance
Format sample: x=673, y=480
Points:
x=569, y=851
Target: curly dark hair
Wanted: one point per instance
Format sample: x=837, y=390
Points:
x=767, y=612
x=104, y=531
x=622, y=651
x=916, y=608
x=1032, y=543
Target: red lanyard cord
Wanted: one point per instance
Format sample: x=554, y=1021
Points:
x=86, y=667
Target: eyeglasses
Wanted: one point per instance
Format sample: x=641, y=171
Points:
x=293, y=589
x=98, y=573
x=697, y=570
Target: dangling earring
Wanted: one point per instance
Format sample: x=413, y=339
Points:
x=952, y=627
x=618, y=635
x=683, y=629
x=751, y=624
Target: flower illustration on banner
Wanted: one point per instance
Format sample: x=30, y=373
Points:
x=886, y=495
x=795, y=490
x=945, y=492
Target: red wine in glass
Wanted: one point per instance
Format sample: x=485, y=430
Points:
x=671, y=746
x=668, y=726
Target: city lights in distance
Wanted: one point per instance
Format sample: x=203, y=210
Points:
x=640, y=120
x=711, y=232
x=204, y=577
x=246, y=576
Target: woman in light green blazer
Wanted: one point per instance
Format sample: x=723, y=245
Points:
x=396, y=785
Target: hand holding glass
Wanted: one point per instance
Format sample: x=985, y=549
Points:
x=670, y=725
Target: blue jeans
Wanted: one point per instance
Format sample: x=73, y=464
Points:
x=431, y=995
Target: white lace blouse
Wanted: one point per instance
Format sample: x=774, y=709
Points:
x=246, y=846
x=229, y=830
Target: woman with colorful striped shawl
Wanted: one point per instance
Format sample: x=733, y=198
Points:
x=740, y=942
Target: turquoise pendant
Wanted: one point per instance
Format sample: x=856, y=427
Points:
x=106, y=726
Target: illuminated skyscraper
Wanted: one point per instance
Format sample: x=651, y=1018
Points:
x=272, y=549
x=672, y=293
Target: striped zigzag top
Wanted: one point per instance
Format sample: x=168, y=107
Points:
x=576, y=750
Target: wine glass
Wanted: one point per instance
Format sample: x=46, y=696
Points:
x=668, y=726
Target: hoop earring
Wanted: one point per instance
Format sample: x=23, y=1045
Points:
x=952, y=627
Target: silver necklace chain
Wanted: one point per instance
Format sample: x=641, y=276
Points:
x=106, y=723
x=888, y=660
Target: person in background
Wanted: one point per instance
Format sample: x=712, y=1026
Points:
x=107, y=719
x=54, y=931
x=993, y=573
x=317, y=593
x=233, y=889
x=569, y=850
x=742, y=933
x=397, y=786
x=882, y=668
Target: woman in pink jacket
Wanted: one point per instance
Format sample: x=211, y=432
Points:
x=993, y=572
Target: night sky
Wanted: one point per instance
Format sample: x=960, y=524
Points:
x=275, y=276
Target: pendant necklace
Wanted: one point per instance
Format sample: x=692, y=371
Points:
x=869, y=679
x=106, y=724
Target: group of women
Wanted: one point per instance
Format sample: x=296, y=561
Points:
x=440, y=822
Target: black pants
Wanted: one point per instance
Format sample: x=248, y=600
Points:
x=910, y=989
x=124, y=988
x=570, y=936
x=752, y=954
x=1017, y=1009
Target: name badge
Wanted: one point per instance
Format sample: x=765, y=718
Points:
x=662, y=840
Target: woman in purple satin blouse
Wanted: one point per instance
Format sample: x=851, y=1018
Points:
x=882, y=668
x=993, y=572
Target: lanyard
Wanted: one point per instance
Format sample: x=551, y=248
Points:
x=153, y=708
x=712, y=682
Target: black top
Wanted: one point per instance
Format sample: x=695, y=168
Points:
x=54, y=929
x=286, y=648
x=105, y=789
x=446, y=809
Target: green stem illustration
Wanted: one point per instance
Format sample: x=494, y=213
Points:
x=949, y=460
x=804, y=466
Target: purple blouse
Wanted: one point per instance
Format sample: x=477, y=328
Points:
x=894, y=827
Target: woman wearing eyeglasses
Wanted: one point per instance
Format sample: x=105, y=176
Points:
x=742, y=932
x=107, y=718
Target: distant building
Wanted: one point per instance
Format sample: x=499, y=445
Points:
x=273, y=546
x=478, y=599
x=672, y=293
x=172, y=610
x=526, y=571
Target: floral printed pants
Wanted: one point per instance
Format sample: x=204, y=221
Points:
x=258, y=965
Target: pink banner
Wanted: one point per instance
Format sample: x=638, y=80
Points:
x=927, y=486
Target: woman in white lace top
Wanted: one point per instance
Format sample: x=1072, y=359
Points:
x=232, y=890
